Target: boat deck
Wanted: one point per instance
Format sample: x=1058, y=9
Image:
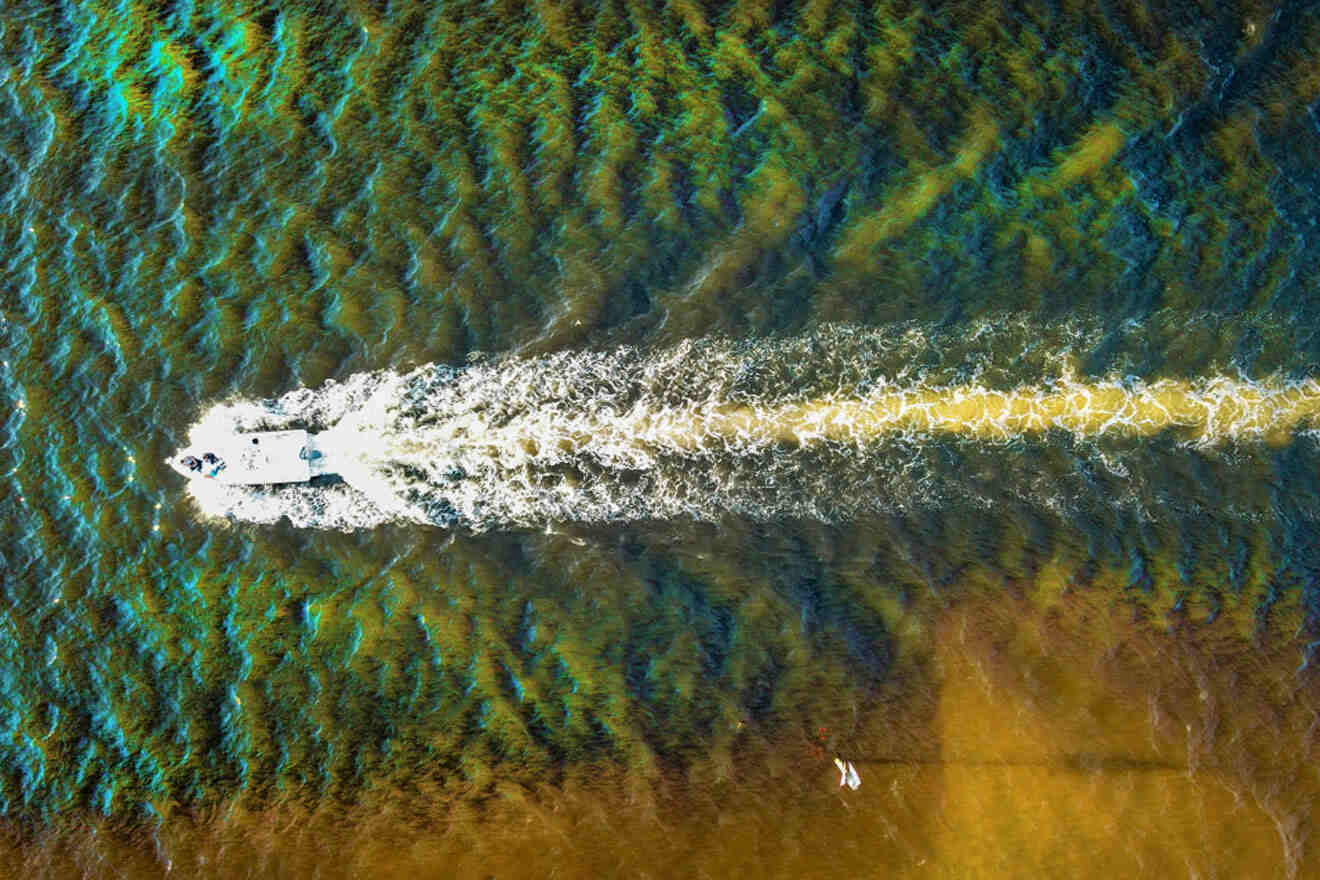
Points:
x=268, y=457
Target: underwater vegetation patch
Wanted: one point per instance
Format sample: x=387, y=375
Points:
x=209, y=199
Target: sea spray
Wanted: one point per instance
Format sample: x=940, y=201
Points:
x=828, y=426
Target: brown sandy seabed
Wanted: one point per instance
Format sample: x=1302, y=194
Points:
x=1056, y=734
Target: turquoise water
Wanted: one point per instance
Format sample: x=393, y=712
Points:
x=216, y=203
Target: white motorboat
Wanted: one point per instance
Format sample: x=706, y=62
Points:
x=253, y=459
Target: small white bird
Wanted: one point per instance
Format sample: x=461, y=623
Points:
x=847, y=774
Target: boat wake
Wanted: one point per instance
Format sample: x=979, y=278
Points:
x=829, y=426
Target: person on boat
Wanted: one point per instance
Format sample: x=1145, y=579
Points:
x=213, y=463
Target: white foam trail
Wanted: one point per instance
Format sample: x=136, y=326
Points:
x=824, y=426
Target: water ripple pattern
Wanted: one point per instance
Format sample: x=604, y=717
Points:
x=688, y=359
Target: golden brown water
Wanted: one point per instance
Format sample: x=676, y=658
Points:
x=1022, y=737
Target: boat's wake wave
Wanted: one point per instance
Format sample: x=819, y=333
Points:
x=829, y=426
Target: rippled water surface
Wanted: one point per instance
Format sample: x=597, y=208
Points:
x=719, y=388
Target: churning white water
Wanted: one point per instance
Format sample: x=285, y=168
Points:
x=825, y=426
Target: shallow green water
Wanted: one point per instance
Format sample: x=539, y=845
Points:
x=206, y=201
